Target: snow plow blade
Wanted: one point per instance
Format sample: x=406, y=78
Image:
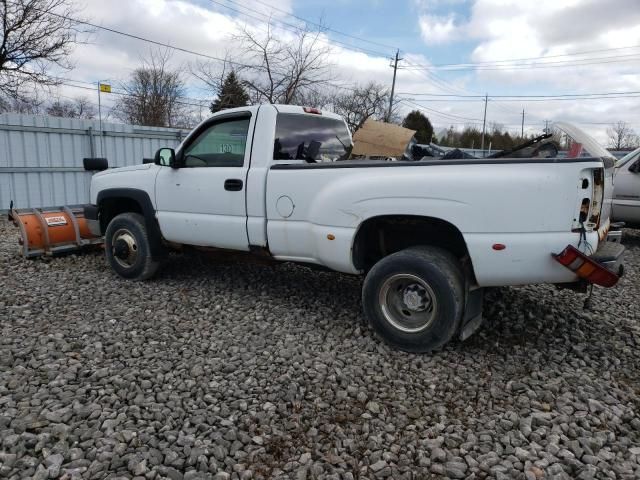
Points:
x=53, y=230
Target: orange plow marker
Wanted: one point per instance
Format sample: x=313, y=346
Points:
x=53, y=230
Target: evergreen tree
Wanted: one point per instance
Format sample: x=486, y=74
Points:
x=417, y=121
x=232, y=94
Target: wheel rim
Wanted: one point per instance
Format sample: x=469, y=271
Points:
x=124, y=248
x=408, y=302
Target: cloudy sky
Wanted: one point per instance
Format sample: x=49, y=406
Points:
x=453, y=51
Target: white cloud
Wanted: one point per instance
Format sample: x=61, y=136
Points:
x=175, y=22
x=499, y=29
x=437, y=29
x=516, y=29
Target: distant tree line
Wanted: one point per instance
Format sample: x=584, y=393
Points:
x=496, y=137
x=78, y=107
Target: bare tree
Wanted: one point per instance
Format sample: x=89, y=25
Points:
x=29, y=105
x=154, y=94
x=61, y=108
x=362, y=103
x=223, y=82
x=621, y=136
x=311, y=97
x=35, y=35
x=77, y=108
x=84, y=108
x=278, y=70
x=210, y=74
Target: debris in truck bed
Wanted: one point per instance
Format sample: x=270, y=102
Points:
x=381, y=139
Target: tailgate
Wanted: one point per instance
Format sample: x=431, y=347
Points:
x=582, y=145
x=607, y=198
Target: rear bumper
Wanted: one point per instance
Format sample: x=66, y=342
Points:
x=93, y=221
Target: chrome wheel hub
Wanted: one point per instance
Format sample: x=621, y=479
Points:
x=407, y=302
x=415, y=297
x=124, y=248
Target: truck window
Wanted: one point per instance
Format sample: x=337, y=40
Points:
x=312, y=138
x=221, y=145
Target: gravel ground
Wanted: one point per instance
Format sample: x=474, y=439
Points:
x=228, y=370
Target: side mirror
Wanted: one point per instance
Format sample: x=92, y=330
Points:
x=635, y=168
x=95, y=164
x=166, y=157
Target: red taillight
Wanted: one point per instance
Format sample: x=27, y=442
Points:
x=586, y=268
x=312, y=110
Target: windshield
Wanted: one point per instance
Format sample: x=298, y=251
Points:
x=312, y=138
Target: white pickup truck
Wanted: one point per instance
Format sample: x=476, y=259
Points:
x=429, y=235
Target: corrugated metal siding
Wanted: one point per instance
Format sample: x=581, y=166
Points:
x=41, y=157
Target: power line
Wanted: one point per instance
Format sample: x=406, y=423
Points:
x=125, y=94
x=511, y=98
x=438, y=112
x=508, y=109
x=320, y=25
x=447, y=116
x=527, y=100
x=94, y=84
x=545, y=65
x=442, y=83
x=529, y=126
x=292, y=28
x=148, y=40
x=493, y=62
x=438, y=81
x=560, y=95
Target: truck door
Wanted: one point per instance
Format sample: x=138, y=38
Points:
x=203, y=201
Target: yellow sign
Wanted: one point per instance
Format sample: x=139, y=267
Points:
x=106, y=88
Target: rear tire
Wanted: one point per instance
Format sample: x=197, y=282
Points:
x=127, y=247
x=414, y=299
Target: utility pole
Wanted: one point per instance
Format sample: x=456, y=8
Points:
x=484, y=122
x=393, y=85
x=522, y=129
x=546, y=126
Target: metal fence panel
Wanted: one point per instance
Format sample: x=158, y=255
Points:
x=41, y=156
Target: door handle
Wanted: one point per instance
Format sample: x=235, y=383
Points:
x=233, y=184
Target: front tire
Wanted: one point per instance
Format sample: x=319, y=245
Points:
x=127, y=247
x=414, y=299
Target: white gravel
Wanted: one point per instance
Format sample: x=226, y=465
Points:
x=225, y=370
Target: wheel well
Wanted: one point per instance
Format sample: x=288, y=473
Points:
x=112, y=206
x=381, y=236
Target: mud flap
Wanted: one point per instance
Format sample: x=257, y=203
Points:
x=472, y=313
